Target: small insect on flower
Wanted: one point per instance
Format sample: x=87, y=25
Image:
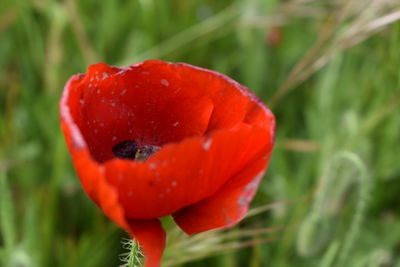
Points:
x=144, y=152
x=156, y=139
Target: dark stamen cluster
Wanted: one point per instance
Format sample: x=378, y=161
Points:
x=129, y=149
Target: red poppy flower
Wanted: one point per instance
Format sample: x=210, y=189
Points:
x=157, y=139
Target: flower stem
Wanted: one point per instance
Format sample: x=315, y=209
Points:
x=133, y=254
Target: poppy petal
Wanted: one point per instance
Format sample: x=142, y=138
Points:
x=136, y=103
x=91, y=174
x=173, y=178
x=226, y=207
x=149, y=234
x=151, y=237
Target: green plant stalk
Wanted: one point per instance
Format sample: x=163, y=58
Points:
x=7, y=222
x=132, y=254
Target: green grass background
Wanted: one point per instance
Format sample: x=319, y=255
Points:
x=330, y=71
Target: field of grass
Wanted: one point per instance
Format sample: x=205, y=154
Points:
x=329, y=70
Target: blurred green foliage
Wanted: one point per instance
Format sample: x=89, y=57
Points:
x=329, y=70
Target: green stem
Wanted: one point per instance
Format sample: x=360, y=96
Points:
x=133, y=254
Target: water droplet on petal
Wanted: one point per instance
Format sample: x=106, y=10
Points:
x=123, y=91
x=164, y=82
x=207, y=144
x=242, y=201
x=152, y=166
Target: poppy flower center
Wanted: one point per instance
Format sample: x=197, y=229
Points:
x=130, y=149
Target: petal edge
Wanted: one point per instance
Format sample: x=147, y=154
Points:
x=226, y=207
